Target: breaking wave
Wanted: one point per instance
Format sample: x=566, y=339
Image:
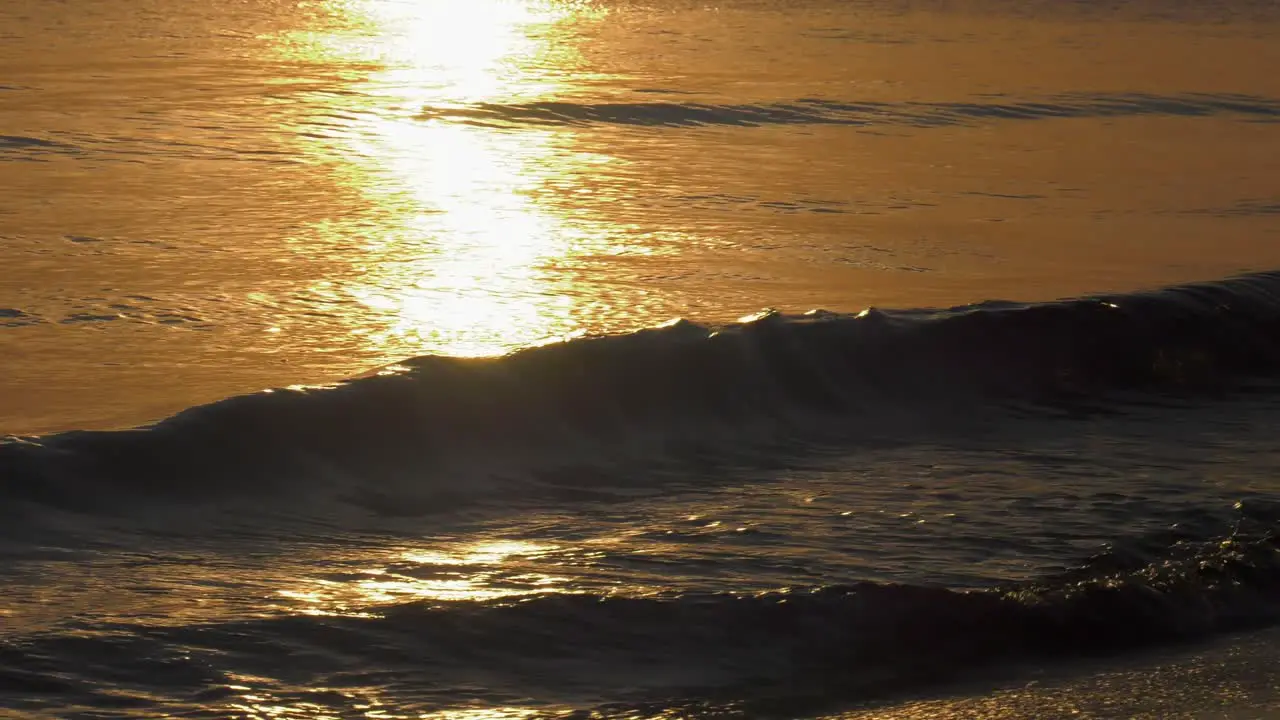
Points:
x=679, y=388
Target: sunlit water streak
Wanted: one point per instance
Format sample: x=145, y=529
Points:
x=462, y=259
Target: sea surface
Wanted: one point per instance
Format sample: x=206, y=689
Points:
x=584, y=359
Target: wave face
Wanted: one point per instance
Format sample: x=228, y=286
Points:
x=679, y=388
x=813, y=111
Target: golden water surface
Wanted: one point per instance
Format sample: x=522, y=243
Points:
x=200, y=200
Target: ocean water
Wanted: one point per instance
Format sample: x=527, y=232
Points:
x=519, y=358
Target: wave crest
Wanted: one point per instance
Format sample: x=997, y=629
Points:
x=678, y=387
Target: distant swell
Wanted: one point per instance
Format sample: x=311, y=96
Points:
x=813, y=111
x=674, y=389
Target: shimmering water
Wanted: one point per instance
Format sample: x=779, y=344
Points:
x=751, y=511
x=203, y=202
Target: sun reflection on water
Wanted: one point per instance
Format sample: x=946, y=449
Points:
x=484, y=553
x=480, y=571
x=456, y=254
x=252, y=699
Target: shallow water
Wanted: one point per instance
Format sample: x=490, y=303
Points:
x=601, y=454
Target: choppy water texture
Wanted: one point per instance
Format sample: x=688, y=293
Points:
x=653, y=359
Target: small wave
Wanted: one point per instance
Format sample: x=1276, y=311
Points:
x=76, y=318
x=663, y=391
x=813, y=111
x=31, y=147
x=13, y=317
x=783, y=653
x=18, y=141
x=1242, y=209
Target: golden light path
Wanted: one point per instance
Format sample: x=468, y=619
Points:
x=454, y=256
x=458, y=256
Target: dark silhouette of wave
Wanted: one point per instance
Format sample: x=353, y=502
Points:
x=21, y=147
x=674, y=389
x=814, y=111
